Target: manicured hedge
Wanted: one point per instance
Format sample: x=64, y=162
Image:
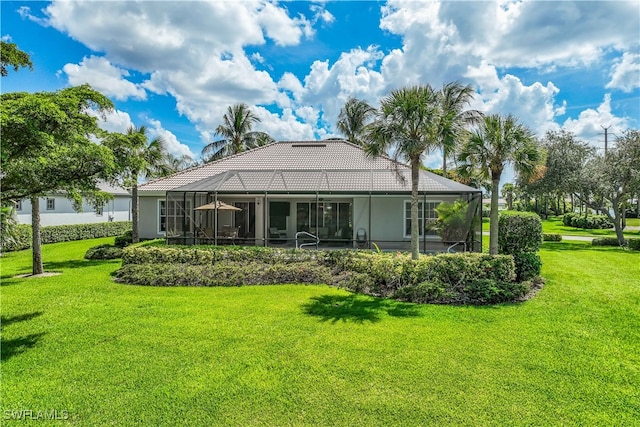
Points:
x=633, y=243
x=576, y=220
x=463, y=278
x=65, y=233
x=519, y=232
x=103, y=252
x=552, y=237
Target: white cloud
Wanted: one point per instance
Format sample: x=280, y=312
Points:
x=625, y=74
x=104, y=77
x=588, y=125
x=172, y=144
x=116, y=121
x=280, y=27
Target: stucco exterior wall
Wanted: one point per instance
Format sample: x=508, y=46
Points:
x=64, y=213
x=148, y=224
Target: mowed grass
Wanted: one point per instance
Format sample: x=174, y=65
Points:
x=113, y=354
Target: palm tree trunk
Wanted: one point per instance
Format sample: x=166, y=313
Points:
x=493, y=224
x=135, y=236
x=415, y=229
x=444, y=162
x=36, y=241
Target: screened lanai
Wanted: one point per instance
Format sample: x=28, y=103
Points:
x=320, y=209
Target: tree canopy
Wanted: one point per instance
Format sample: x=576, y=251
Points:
x=12, y=57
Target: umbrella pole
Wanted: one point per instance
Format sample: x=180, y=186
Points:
x=215, y=219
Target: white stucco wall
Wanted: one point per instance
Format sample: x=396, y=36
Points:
x=64, y=213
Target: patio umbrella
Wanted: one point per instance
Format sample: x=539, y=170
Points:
x=217, y=206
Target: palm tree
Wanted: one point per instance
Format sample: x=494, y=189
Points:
x=454, y=118
x=353, y=119
x=508, y=191
x=495, y=143
x=407, y=120
x=236, y=134
x=137, y=158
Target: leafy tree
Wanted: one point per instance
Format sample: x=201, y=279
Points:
x=47, y=148
x=236, y=134
x=175, y=164
x=137, y=157
x=606, y=182
x=508, y=190
x=353, y=119
x=11, y=56
x=454, y=119
x=495, y=143
x=407, y=120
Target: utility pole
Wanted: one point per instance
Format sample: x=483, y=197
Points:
x=606, y=140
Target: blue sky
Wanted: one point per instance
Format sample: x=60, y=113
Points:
x=176, y=66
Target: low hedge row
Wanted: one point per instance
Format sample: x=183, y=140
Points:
x=633, y=243
x=576, y=220
x=552, y=237
x=224, y=274
x=103, y=252
x=462, y=278
x=65, y=233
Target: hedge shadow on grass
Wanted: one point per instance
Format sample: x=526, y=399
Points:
x=6, y=321
x=586, y=246
x=356, y=308
x=75, y=263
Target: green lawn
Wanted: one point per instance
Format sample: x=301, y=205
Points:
x=555, y=225
x=113, y=354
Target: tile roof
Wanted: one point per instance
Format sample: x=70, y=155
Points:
x=302, y=166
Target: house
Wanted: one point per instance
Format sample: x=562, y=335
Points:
x=55, y=209
x=286, y=193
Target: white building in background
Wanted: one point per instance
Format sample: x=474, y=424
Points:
x=58, y=210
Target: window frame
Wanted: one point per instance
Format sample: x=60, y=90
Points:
x=51, y=204
x=421, y=218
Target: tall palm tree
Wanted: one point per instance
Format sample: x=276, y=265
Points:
x=497, y=142
x=454, y=119
x=407, y=120
x=353, y=119
x=137, y=158
x=236, y=134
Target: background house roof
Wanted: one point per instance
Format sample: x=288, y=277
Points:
x=332, y=165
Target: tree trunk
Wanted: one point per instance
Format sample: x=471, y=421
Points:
x=444, y=162
x=493, y=224
x=36, y=241
x=616, y=222
x=134, y=213
x=415, y=229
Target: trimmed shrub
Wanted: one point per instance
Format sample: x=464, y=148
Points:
x=552, y=237
x=65, y=233
x=605, y=241
x=634, y=244
x=229, y=274
x=589, y=222
x=125, y=239
x=519, y=232
x=528, y=265
x=103, y=252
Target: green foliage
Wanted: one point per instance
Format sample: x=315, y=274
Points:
x=65, y=233
x=454, y=220
x=551, y=237
x=124, y=240
x=634, y=244
x=528, y=265
x=519, y=232
x=105, y=251
x=224, y=274
x=11, y=56
x=590, y=222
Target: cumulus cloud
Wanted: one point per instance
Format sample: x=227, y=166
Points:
x=173, y=146
x=104, y=77
x=588, y=125
x=625, y=74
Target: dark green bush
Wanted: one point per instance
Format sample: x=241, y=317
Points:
x=103, y=252
x=65, y=233
x=605, y=241
x=519, y=232
x=22, y=241
x=577, y=220
x=528, y=265
x=227, y=274
x=552, y=237
x=634, y=244
x=125, y=239
x=425, y=293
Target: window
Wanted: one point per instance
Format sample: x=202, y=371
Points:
x=425, y=212
x=334, y=219
x=51, y=204
x=99, y=210
x=19, y=205
x=171, y=216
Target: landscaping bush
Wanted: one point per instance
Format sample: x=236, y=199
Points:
x=634, y=244
x=125, y=239
x=551, y=237
x=519, y=232
x=527, y=264
x=65, y=233
x=227, y=274
x=577, y=220
x=605, y=241
x=103, y=252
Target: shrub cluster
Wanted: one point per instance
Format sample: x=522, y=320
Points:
x=633, y=243
x=103, y=252
x=520, y=235
x=552, y=237
x=573, y=219
x=124, y=240
x=65, y=233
